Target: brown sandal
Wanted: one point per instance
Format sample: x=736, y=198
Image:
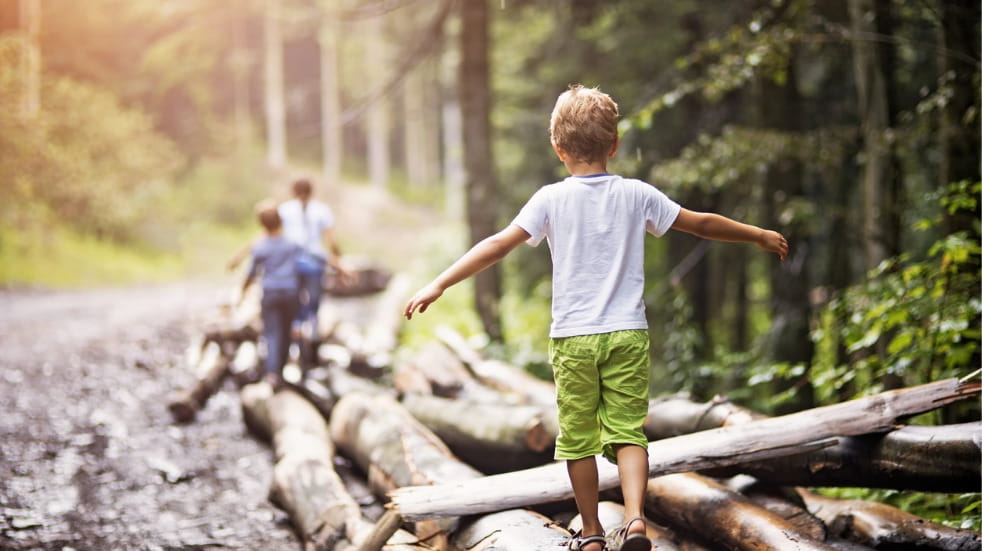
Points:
x=621, y=540
x=578, y=541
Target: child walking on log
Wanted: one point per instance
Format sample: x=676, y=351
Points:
x=595, y=224
x=274, y=258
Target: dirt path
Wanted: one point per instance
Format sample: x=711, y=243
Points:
x=90, y=458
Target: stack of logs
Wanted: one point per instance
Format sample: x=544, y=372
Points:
x=458, y=448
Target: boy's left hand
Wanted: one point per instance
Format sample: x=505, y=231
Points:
x=422, y=299
x=774, y=242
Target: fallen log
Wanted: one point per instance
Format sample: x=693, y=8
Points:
x=512, y=530
x=360, y=282
x=494, y=438
x=773, y=437
x=503, y=377
x=211, y=371
x=674, y=415
x=925, y=458
x=394, y=450
x=305, y=483
x=879, y=525
x=700, y=506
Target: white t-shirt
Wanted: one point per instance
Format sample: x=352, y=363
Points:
x=595, y=227
x=305, y=226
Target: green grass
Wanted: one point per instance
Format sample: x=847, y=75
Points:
x=56, y=257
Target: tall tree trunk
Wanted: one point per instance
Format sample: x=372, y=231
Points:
x=273, y=89
x=960, y=120
x=481, y=185
x=30, y=22
x=378, y=113
x=421, y=126
x=239, y=65
x=789, y=341
x=453, y=147
x=327, y=39
x=879, y=179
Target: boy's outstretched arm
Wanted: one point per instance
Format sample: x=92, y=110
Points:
x=482, y=255
x=720, y=228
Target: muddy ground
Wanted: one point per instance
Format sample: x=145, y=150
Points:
x=90, y=458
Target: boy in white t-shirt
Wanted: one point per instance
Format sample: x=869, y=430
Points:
x=595, y=224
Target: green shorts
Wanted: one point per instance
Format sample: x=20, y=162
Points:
x=601, y=392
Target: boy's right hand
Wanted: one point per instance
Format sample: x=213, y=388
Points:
x=422, y=299
x=774, y=242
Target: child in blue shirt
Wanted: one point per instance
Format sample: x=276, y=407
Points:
x=274, y=258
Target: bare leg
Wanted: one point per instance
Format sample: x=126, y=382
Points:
x=586, y=490
x=632, y=466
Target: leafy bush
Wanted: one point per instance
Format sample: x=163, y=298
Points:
x=84, y=160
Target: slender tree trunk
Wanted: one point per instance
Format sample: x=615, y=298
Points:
x=481, y=186
x=240, y=64
x=331, y=156
x=377, y=119
x=960, y=120
x=274, y=88
x=789, y=340
x=879, y=230
x=30, y=21
x=421, y=120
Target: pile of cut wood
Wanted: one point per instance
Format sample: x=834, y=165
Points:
x=458, y=448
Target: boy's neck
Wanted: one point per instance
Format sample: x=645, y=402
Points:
x=580, y=168
x=274, y=233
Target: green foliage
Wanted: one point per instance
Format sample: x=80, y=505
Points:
x=85, y=160
x=914, y=320
x=738, y=154
x=59, y=257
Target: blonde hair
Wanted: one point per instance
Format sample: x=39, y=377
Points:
x=584, y=123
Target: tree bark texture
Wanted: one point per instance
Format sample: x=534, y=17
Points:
x=305, y=483
x=724, y=517
x=512, y=530
x=774, y=437
x=504, y=378
x=879, y=231
x=494, y=438
x=395, y=450
x=474, y=91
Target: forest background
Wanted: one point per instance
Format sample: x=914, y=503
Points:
x=136, y=136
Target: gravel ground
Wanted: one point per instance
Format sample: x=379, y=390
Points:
x=90, y=458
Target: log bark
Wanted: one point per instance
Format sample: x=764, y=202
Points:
x=930, y=459
x=494, y=438
x=504, y=378
x=362, y=281
x=728, y=519
x=883, y=526
x=513, y=530
x=395, y=450
x=305, y=483
x=725, y=446
x=214, y=366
